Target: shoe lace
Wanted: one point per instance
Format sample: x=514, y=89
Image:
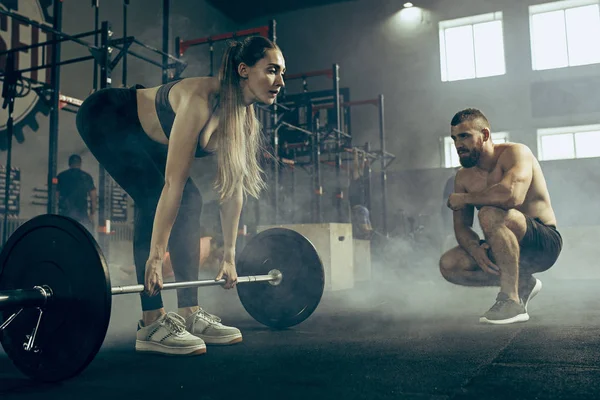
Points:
x=201, y=314
x=501, y=300
x=498, y=305
x=175, y=323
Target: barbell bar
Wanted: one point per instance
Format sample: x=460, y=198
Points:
x=56, y=297
x=40, y=296
x=274, y=277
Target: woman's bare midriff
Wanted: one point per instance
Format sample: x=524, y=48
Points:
x=148, y=116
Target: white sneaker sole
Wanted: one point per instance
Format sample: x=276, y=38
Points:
x=143, y=346
x=517, y=318
x=220, y=340
x=536, y=289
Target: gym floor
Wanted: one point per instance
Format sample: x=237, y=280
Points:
x=395, y=340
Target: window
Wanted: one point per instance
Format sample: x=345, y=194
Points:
x=451, y=156
x=569, y=142
x=472, y=47
x=565, y=34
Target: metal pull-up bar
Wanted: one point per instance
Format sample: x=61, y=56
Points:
x=64, y=36
x=328, y=73
x=184, y=45
x=124, y=43
x=373, y=102
x=323, y=72
x=181, y=46
x=100, y=52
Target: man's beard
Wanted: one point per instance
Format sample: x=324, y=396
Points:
x=471, y=160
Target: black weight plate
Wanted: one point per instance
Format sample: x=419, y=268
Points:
x=57, y=252
x=301, y=289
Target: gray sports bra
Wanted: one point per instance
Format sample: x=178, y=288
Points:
x=166, y=115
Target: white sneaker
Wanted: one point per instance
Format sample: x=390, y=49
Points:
x=209, y=328
x=167, y=335
x=532, y=289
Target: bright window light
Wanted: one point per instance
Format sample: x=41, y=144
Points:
x=557, y=147
x=565, y=34
x=472, y=47
x=569, y=142
x=587, y=144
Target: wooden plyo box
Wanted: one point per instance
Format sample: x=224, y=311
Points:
x=334, y=244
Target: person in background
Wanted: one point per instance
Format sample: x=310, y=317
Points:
x=74, y=187
x=361, y=222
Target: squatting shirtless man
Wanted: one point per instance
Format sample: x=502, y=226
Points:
x=506, y=184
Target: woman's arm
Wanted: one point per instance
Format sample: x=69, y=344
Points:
x=231, y=209
x=192, y=115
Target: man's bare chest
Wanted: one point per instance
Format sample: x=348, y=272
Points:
x=477, y=181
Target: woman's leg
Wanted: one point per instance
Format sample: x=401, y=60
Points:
x=184, y=247
x=108, y=124
x=142, y=235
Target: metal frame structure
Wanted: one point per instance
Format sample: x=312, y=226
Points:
x=104, y=63
x=182, y=46
x=382, y=155
x=315, y=134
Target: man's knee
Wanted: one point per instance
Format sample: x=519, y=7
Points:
x=454, y=263
x=449, y=265
x=491, y=218
x=445, y=266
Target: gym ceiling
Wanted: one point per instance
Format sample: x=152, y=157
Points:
x=241, y=11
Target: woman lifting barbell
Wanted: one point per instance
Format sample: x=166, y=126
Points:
x=146, y=139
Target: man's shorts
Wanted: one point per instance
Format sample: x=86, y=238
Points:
x=540, y=247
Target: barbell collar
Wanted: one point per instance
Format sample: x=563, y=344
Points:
x=25, y=298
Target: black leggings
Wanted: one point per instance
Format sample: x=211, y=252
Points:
x=109, y=124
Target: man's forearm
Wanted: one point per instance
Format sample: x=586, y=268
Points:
x=495, y=195
x=231, y=210
x=467, y=238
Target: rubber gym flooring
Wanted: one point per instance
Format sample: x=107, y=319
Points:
x=392, y=338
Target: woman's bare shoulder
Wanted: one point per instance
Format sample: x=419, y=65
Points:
x=200, y=87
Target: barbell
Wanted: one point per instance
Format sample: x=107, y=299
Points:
x=56, y=296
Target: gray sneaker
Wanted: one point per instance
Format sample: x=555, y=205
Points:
x=209, y=328
x=532, y=288
x=505, y=311
x=167, y=335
